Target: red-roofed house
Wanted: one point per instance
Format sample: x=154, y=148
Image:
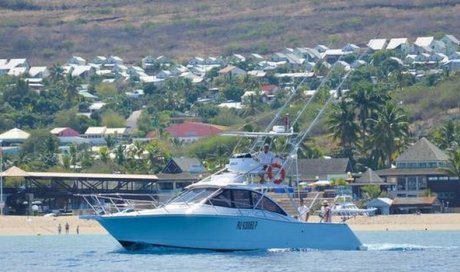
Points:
x=270, y=89
x=65, y=132
x=192, y=131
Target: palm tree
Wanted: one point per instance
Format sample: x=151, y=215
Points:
x=56, y=73
x=104, y=154
x=447, y=135
x=366, y=99
x=454, y=163
x=389, y=130
x=342, y=124
x=71, y=86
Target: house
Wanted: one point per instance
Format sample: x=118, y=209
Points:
x=14, y=136
x=238, y=58
x=96, y=106
x=76, y=60
x=196, y=61
x=309, y=54
x=333, y=55
x=232, y=71
x=400, y=44
x=370, y=177
x=452, y=65
x=214, y=61
x=382, y=204
x=85, y=71
x=99, y=60
x=163, y=60
x=39, y=72
x=321, y=48
x=451, y=42
x=377, y=44
x=179, y=173
x=17, y=71
x=192, y=131
x=95, y=135
x=255, y=57
x=114, y=60
x=423, y=44
x=345, y=66
x=117, y=133
x=270, y=89
x=183, y=164
x=148, y=62
x=138, y=93
x=420, y=168
x=68, y=135
x=403, y=205
x=16, y=63
x=136, y=71
x=311, y=170
x=351, y=48
x=64, y=132
x=277, y=57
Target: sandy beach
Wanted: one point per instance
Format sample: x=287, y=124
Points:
x=38, y=225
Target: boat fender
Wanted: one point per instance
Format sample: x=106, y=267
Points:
x=282, y=172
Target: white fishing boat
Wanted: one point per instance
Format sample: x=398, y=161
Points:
x=226, y=211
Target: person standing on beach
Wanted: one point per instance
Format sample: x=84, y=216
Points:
x=67, y=227
x=59, y=228
x=303, y=211
x=78, y=230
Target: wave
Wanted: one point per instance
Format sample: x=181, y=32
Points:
x=405, y=247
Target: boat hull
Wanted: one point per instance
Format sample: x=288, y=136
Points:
x=226, y=232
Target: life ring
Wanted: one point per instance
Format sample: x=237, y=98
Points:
x=282, y=172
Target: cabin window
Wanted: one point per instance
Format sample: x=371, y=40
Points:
x=194, y=195
x=224, y=199
x=242, y=199
x=267, y=204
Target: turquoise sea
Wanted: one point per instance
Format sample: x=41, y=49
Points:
x=388, y=251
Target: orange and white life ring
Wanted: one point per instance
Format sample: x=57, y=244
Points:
x=282, y=172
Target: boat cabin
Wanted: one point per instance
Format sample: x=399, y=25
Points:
x=235, y=198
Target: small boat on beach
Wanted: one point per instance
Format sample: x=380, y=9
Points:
x=344, y=207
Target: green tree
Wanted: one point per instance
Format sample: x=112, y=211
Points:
x=389, y=131
x=112, y=119
x=106, y=90
x=366, y=98
x=454, y=162
x=342, y=124
x=371, y=191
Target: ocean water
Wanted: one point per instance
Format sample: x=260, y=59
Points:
x=387, y=251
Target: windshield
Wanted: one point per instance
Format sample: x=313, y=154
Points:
x=193, y=195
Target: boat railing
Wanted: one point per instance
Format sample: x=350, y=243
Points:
x=116, y=202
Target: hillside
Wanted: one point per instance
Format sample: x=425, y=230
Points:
x=49, y=31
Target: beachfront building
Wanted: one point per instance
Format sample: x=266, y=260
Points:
x=370, y=177
x=55, y=192
x=179, y=173
x=322, y=169
x=419, y=171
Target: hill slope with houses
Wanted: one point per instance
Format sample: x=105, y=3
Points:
x=49, y=31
